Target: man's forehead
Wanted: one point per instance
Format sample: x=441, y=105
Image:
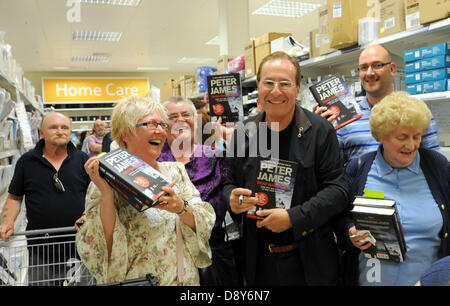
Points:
x=280, y=63
x=177, y=106
x=373, y=54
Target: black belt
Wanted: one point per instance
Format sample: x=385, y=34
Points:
x=272, y=248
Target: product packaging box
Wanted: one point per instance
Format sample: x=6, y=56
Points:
x=222, y=63
x=414, y=89
x=412, y=55
x=413, y=67
x=249, y=49
x=262, y=46
x=412, y=14
x=434, y=86
x=169, y=89
x=314, y=43
x=435, y=74
x=435, y=50
x=184, y=80
x=436, y=62
x=324, y=31
x=433, y=10
x=343, y=18
x=392, y=17
x=412, y=78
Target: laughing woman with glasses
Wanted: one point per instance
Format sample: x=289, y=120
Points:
x=117, y=242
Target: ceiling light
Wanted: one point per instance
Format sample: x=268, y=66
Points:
x=195, y=60
x=286, y=8
x=113, y=2
x=96, y=36
x=213, y=41
x=90, y=58
x=152, y=68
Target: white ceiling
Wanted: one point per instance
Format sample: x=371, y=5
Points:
x=157, y=33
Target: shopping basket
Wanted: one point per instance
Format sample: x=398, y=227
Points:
x=44, y=257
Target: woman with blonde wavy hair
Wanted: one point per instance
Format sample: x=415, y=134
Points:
x=417, y=179
x=169, y=240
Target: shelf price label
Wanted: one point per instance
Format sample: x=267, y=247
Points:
x=82, y=90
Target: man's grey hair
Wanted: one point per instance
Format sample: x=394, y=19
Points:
x=176, y=99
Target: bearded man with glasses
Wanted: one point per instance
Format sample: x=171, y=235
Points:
x=53, y=180
x=376, y=70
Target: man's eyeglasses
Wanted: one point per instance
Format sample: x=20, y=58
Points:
x=185, y=115
x=283, y=85
x=375, y=67
x=153, y=125
x=57, y=183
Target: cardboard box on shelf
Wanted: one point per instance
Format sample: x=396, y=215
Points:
x=433, y=10
x=412, y=14
x=314, y=43
x=170, y=88
x=249, y=49
x=392, y=17
x=343, y=18
x=222, y=63
x=190, y=87
x=262, y=46
x=324, y=31
x=183, y=80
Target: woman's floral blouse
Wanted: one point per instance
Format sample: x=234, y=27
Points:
x=145, y=242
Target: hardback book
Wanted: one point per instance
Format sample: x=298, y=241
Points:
x=334, y=94
x=273, y=185
x=133, y=179
x=225, y=96
x=380, y=217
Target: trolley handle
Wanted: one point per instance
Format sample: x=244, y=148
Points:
x=45, y=231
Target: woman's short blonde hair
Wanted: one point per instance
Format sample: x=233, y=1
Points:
x=398, y=109
x=127, y=113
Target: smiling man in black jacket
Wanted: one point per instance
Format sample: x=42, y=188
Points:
x=294, y=246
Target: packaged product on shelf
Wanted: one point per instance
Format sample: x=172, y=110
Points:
x=433, y=10
x=202, y=73
x=236, y=64
x=435, y=50
x=222, y=63
x=412, y=14
x=250, y=69
x=324, y=32
x=434, y=86
x=263, y=47
x=436, y=62
x=392, y=17
x=368, y=30
x=412, y=55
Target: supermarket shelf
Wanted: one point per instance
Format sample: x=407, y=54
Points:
x=11, y=88
x=8, y=153
x=396, y=44
x=434, y=96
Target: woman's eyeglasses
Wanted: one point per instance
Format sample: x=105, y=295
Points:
x=57, y=183
x=153, y=125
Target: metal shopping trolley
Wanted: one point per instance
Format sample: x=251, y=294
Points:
x=44, y=257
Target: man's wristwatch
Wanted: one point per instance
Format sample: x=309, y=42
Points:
x=185, y=207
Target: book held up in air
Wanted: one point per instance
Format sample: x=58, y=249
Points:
x=273, y=185
x=225, y=96
x=380, y=217
x=133, y=179
x=334, y=94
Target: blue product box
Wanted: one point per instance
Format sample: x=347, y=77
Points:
x=412, y=55
x=435, y=50
x=434, y=86
x=412, y=78
x=436, y=62
x=413, y=67
x=414, y=89
x=435, y=74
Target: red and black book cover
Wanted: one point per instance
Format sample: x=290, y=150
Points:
x=133, y=179
x=334, y=94
x=273, y=185
x=225, y=96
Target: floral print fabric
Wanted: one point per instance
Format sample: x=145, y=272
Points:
x=145, y=242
